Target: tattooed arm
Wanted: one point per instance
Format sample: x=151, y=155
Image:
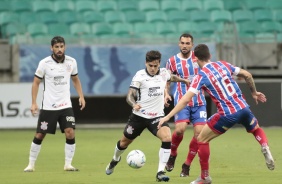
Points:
x=131, y=99
x=175, y=78
x=251, y=83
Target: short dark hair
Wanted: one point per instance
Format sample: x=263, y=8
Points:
x=57, y=39
x=202, y=52
x=187, y=35
x=153, y=55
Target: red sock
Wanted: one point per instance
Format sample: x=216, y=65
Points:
x=260, y=136
x=204, y=155
x=193, y=149
x=175, y=141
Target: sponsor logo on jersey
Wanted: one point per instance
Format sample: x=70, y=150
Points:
x=149, y=113
x=44, y=125
x=154, y=92
x=59, y=105
x=58, y=80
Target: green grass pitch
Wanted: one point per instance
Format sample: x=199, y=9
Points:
x=235, y=158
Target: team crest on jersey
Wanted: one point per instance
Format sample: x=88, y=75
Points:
x=44, y=125
x=195, y=65
x=129, y=129
x=68, y=68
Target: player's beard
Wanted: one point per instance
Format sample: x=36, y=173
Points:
x=185, y=53
x=59, y=57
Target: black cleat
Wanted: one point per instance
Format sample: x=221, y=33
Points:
x=111, y=166
x=185, y=170
x=162, y=177
x=170, y=163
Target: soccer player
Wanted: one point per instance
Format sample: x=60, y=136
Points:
x=146, y=97
x=217, y=80
x=185, y=66
x=56, y=71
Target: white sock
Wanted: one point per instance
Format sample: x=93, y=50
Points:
x=117, y=154
x=163, y=158
x=33, y=153
x=69, y=153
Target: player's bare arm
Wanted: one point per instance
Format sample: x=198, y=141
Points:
x=78, y=88
x=131, y=99
x=167, y=96
x=257, y=96
x=34, y=92
x=175, y=78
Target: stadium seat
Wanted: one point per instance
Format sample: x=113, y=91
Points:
x=36, y=29
x=263, y=15
x=156, y=16
x=177, y=16
x=135, y=16
x=114, y=16
x=48, y=17
x=255, y=4
x=70, y=17
x=207, y=27
x=27, y=17
x=144, y=27
x=274, y=5
x=249, y=27
x=80, y=28
x=39, y=6
x=164, y=28
x=246, y=37
x=93, y=17
x=211, y=5
x=108, y=5
x=101, y=29
x=232, y=5
x=170, y=5
x=123, y=29
x=187, y=27
x=63, y=5
x=277, y=15
x=148, y=5
x=265, y=38
x=200, y=16
x=242, y=15
x=19, y=6
x=58, y=29
x=172, y=37
x=191, y=5
x=271, y=27
x=5, y=6
x=13, y=29
x=82, y=6
x=8, y=17
x=125, y=5
x=221, y=16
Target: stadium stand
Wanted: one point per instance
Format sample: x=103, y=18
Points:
x=63, y=5
x=170, y=5
x=148, y=5
x=82, y=6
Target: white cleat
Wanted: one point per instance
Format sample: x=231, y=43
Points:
x=29, y=169
x=70, y=168
x=199, y=180
x=268, y=157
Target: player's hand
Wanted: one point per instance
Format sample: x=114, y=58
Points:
x=34, y=109
x=187, y=82
x=258, y=96
x=167, y=98
x=82, y=103
x=162, y=121
x=137, y=107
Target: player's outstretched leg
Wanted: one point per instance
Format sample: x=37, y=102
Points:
x=199, y=180
x=170, y=163
x=111, y=166
x=268, y=157
x=162, y=177
x=185, y=170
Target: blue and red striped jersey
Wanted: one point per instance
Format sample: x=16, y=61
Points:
x=217, y=80
x=187, y=69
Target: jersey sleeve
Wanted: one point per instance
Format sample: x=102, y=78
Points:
x=196, y=84
x=168, y=75
x=234, y=69
x=40, y=71
x=136, y=82
x=74, y=70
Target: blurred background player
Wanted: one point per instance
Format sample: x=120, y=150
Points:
x=185, y=66
x=217, y=79
x=56, y=70
x=146, y=96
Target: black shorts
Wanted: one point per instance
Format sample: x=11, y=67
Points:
x=136, y=125
x=47, y=120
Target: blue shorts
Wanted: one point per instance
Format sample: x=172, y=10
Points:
x=220, y=124
x=194, y=115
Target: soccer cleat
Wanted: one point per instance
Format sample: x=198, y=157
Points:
x=162, y=177
x=170, y=163
x=70, y=168
x=29, y=169
x=185, y=170
x=199, y=180
x=268, y=157
x=111, y=166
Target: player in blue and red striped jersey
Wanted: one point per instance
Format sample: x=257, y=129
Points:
x=185, y=66
x=217, y=80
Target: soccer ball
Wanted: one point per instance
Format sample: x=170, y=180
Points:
x=136, y=159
